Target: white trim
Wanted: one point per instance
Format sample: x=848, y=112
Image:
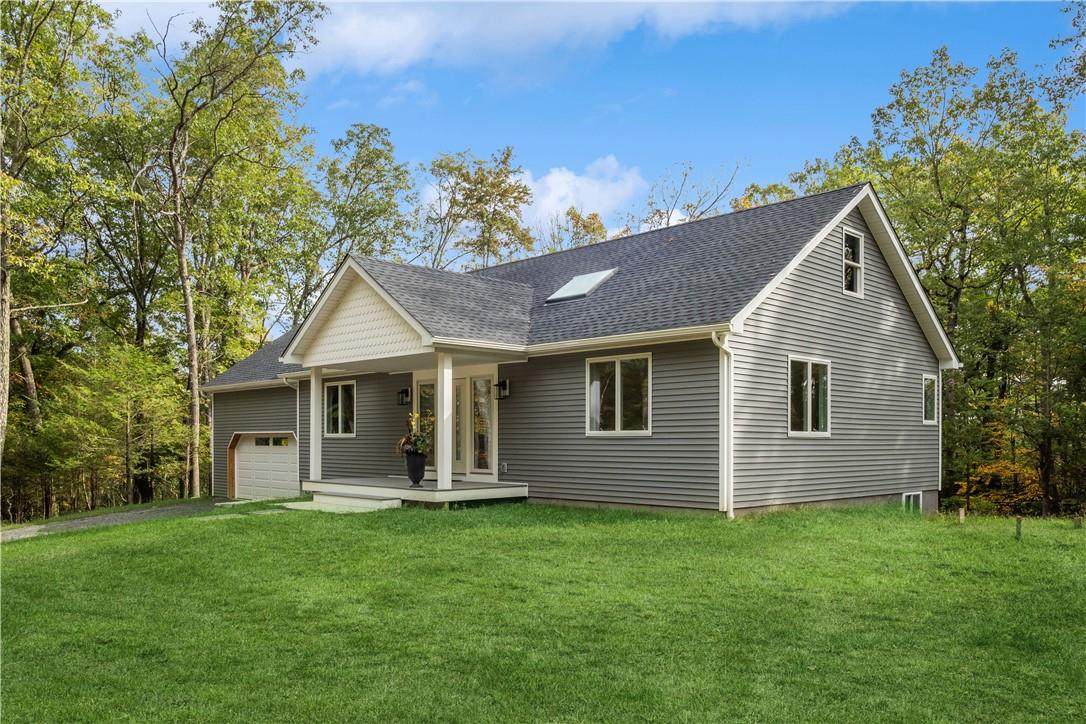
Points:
x=211, y=434
x=678, y=334
x=808, y=432
x=291, y=355
x=924, y=399
x=940, y=448
x=858, y=265
x=241, y=386
x=919, y=498
x=727, y=427
x=618, y=431
x=943, y=349
x=354, y=410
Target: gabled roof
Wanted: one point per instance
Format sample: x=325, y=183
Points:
x=260, y=366
x=451, y=305
x=705, y=274
x=689, y=275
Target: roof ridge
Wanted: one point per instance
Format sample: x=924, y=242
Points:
x=665, y=228
x=440, y=272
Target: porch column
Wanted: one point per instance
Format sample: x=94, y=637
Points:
x=444, y=426
x=316, y=424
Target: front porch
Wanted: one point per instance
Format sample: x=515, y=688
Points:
x=400, y=488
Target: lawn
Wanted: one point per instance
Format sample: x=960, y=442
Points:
x=528, y=613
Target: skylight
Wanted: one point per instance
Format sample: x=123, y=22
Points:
x=580, y=286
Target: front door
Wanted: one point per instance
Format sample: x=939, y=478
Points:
x=426, y=395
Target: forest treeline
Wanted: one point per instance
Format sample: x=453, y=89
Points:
x=163, y=214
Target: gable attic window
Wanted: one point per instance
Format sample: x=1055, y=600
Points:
x=853, y=259
x=580, y=286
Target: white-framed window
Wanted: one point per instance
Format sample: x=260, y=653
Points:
x=930, y=391
x=339, y=409
x=618, y=395
x=808, y=397
x=852, y=263
x=912, y=502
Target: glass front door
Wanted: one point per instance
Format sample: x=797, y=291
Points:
x=427, y=396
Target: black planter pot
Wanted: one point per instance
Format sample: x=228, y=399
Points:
x=416, y=467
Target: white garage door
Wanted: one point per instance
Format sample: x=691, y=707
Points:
x=266, y=466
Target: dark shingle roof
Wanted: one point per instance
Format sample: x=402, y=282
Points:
x=699, y=273
x=261, y=365
x=692, y=274
x=451, y=304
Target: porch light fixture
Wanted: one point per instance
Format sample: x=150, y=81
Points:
x=404, y=396
x=501, y=389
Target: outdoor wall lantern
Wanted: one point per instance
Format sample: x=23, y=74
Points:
x=502, y=389
x=404, y=396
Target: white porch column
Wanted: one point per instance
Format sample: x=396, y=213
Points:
x=444, y=421
x=316, y=423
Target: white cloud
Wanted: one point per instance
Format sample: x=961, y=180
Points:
x=413, y=91
x=388, y=38
x=605, y=187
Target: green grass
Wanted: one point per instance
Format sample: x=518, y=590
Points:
x=534, y=613
x=165, y=503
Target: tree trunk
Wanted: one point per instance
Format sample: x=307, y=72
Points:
x=32, y=407
x=193, y=487
x=5, y=333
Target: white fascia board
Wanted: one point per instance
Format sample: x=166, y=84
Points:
x=238, y=386
x=292, y=354
x=900, y=267
x=678, y=334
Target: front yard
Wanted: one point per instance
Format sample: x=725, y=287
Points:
x=520, y=613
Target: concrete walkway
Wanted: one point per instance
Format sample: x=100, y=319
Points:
x=202, y=505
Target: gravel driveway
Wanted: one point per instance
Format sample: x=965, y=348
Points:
x=132, y=516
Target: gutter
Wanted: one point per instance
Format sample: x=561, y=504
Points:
x=727, y=492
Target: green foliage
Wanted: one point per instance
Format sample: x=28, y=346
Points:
x=474, y=216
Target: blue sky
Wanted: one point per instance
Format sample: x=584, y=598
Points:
x=600, y=100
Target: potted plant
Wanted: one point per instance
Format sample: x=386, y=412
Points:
x=415, y=446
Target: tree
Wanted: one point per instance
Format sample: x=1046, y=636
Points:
x=679, y=196
x=228, y=70
x=1070, y=77
x=757, y=195
x=571, y=230
x=48, y=93
x=475, y=211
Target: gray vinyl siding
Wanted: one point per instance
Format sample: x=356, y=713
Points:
x=878, y=354
x=379, y=422
x=541, y=432
x=267, y=410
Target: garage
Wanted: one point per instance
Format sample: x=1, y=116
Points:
x=263, y=465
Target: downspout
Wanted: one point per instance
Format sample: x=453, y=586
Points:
x=720, y=339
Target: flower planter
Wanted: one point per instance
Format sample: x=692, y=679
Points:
x=416, y=467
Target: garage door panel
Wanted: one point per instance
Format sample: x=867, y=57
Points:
x=266, y=471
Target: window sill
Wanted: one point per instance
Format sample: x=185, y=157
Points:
x=621, y=433
x=338, y=434
x=931, y=422
x=855, y=295
x=794, y=433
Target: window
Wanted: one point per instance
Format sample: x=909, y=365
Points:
x=580, y=286
x=912, y=502
x=808, y=397
x=339, y=409
x=931, y=399
x=263, y=441
x=280, y=442
x=853, y=269
x=480, y=422
x=619, y=395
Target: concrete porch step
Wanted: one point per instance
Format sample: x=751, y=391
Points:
x=356, y=501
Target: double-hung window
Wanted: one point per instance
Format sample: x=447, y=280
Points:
x=619, y=395
x=808, y=397
x=931, y=399
x=853, y=264
x=339, y=409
